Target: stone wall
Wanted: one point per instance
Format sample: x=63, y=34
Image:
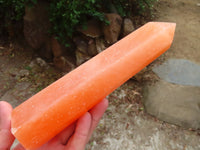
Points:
x=86, y=44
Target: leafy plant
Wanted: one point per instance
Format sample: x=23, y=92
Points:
x=12, y=11
x=135, y=7
x=122, y=7
x=66, y=15
x=128, y=7
x=144, y=5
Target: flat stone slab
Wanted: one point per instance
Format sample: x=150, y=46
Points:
x=179, y=71
x=174, y=104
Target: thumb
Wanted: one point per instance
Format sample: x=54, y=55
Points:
x=6, y=137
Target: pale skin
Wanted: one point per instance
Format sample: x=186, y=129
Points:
x=74, y=137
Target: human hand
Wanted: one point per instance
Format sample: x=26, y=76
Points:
x=74, y=137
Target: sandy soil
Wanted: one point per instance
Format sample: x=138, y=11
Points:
x=186, y=15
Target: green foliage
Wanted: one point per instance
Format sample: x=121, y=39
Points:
x=66, y=15
x=11, y=9
x=144, y=5
x=136, y=7
x=128, y=7
x=11, y=12
x=122, y=7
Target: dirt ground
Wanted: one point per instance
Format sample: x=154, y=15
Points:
x=125, y=125
x=186, y=15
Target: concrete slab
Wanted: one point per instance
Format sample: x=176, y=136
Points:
x=179, y=71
